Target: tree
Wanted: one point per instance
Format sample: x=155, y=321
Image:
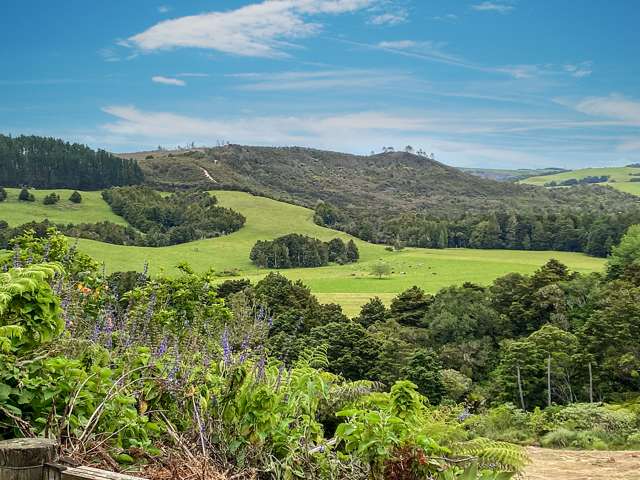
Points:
x=337, y=251
x=3, y=194
x=372, y=312
x=51, y=199
x=626, y=253
x=75, y=197
x=381, y=269
x=410, y=307
x=424, y=369
x=26, y=196
x=352, y=252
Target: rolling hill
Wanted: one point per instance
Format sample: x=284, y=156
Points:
x=349, y=285
x=390, y=183
x=619, y=178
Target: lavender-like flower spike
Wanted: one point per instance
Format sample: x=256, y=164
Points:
x=261, y=366
x=226, y=347
x=244, y=349
x=162, y=348
x=279, y=380
x=47, y=249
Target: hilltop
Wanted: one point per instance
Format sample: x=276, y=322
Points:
x=387, y=182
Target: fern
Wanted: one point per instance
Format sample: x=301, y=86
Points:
x=505, y=456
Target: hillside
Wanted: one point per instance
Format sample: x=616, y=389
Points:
x=619, y=178
x=390, y=182
x=511, y=175
x=349, y=285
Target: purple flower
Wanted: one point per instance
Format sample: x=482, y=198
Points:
x=162, y=348
x=260, y=367
x=464, y=415
x=226, y=347
x=16, y=256
x=244, y=349
x=279, y=380
x=47, y=249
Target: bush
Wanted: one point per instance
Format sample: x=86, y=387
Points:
x=26, y=196
x=3, y=194
x=51, y=199
x=559, y=438
x=75, y=197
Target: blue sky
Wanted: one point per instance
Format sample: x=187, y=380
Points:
x=504, y=83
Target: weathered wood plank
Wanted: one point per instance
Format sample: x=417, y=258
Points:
x=89, y=473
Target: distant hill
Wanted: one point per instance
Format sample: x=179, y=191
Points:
x=388, y=182
x=52, y=163
x=511, y=175
x=625, y=179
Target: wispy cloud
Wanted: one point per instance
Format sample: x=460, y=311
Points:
x=613, y=106
x=168, y=81
x=493, y=7
x=164, y=9
x=193, y=75
x=448, y=17
x=583, y=69
x=318, y=80
x=390, y=18
x=256, y=30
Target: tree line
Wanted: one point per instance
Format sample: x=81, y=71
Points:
x=43, y=162
x=581, y=229
x=295, y=250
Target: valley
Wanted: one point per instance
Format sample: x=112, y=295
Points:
x=347, y=285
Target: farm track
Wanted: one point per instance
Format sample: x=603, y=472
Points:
x=582, y=465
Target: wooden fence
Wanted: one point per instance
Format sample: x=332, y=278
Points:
x=34, y=459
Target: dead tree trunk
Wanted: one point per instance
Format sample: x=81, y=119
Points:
x=23, y=458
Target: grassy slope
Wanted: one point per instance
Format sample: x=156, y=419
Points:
x=92, y=208
x=349, y=285
x=621, y=175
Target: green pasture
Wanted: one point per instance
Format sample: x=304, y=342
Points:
x=619, y=177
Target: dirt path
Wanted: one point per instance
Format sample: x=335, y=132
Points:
x=206, y=174
x=580, y=465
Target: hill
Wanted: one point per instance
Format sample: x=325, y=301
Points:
x=391, y=182
x=52, y=163
x=349, y=285
x=511, y=175
x=620, y=178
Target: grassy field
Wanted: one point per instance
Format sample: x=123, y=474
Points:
x=92, y=208
x=620, y=175
x=348, y=285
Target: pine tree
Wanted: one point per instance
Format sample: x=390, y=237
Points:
x=76, y=197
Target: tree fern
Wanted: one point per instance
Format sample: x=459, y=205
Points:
x=505, y=456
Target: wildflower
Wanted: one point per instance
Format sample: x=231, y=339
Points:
x=47, y=249
x=464, y=415
x=244, y=349
x=16, y=257
x=162, y=348
x=279, y=380
x=226, y=348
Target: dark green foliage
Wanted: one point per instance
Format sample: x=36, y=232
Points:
x=424, y=369
x=178, y=218
x=3, y=194
x=75, y=197
x=26, y=196
x=229, y=287
x=51, y=163
x=410, y=306
x=108, y=232
x=372, y=312
x=51, y=199
x=295, y=250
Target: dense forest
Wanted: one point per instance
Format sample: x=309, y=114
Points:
x=168, y=220
x=581, y=229
x=295, y=250
x=51, y=163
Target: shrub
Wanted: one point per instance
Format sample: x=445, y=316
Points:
x=26, y=196
x=51, y=199
x=559, y=438
x=3, y=194
x=75, y=197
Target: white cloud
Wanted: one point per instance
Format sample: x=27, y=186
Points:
x=493, y=7
x=613, y=106
x=168, y=81
x=583, y=69
x=317, y=80
x=256, y=30
x=390, y=18
x=449, y=17
x=193, y=75
x=164, y=9
x=399, y=44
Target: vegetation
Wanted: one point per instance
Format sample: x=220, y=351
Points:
x=26, y=196
x=619, y=178
x=50, y=163
x=164, y=368
x=51, y=199
x=295, y=250
x=581, y=181
x=3, y=194
x=179, y=218
x=75, y=197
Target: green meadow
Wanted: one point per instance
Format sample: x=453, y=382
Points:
x=619, y=177
x=349, y=285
